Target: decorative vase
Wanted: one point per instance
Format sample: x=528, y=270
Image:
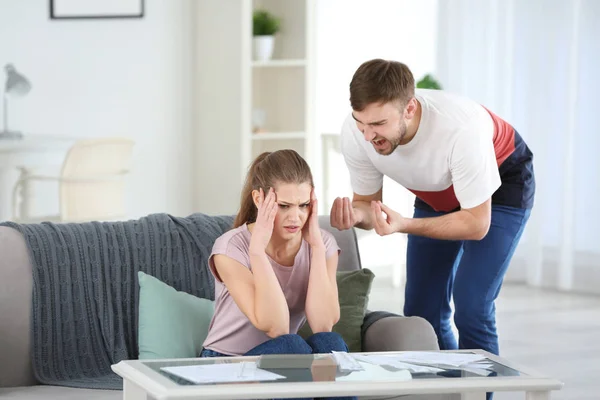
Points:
x=259, y=117
x=263, y=47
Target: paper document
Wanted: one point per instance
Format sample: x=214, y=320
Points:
x=482, y=368
x=483, y=364
x=374, y=373
x=392, y=362
x=346, y=362
x=476, y=371
x=222, y=373
x=438, y=358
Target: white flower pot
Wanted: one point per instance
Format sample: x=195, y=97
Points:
x=263, y=47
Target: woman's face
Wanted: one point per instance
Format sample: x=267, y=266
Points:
x=293, y=209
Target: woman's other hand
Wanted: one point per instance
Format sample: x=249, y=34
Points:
x=311, y=231
x=263, y=228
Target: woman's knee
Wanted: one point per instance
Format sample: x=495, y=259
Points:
x=284, y=344
x=294, y=344
x=326, y=342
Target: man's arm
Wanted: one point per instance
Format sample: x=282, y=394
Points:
x=466, y=224
x=346, y=214
x=364, y=178
x=362, y=209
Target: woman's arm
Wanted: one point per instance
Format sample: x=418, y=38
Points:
x=322, y=304
x=257, y=293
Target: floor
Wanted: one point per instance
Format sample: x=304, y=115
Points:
x=556, y=334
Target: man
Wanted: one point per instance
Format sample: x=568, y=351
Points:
x=473, y=178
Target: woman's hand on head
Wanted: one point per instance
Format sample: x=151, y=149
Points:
x=263, y=228
x=311, y=231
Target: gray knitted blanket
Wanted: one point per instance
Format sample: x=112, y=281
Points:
x=85, y=289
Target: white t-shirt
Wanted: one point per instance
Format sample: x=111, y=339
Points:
x=451, y=161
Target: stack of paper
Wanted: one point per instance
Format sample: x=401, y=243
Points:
x=390, y=361
x=483, y=364
x=430, y=362
x=374, y=373
x=346, y=362
x=482, y=367
x=439, y=358
x=222, y=373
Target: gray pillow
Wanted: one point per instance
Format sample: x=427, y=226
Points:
x=353, y=293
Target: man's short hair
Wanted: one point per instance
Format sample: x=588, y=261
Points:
x=381, y=81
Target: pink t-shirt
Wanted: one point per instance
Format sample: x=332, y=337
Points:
x=230, y=331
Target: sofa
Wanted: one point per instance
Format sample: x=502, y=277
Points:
x=380, y=331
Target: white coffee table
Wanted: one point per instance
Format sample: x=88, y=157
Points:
x=144, y=379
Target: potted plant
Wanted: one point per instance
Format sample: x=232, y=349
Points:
x=264, y=27
x=429, y=82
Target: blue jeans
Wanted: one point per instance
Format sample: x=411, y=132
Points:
x=469, y=271
x=324, y=342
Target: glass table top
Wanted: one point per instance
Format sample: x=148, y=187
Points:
x=323, y=367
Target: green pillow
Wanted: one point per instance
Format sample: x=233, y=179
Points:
x=353, y=294
x=172, y=324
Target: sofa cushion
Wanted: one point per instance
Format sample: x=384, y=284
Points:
x=353, y=294
x=172, y=324
x=44, y=392
x=346, y=240
x=15, y=310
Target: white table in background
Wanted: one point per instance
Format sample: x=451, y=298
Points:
x=20, y=156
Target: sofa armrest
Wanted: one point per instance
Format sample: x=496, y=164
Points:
x=384, y=331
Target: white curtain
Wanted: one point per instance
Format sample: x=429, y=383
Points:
x=536, y=63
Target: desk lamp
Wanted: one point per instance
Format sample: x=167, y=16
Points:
x=16, y=86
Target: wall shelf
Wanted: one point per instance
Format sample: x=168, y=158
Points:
x=236, y=92
x=278, y=135
x=279, y=63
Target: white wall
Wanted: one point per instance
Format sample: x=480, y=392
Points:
x=350, y=32
x=221, y=93
x=94, y=78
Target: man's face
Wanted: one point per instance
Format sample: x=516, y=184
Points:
x=382, y=125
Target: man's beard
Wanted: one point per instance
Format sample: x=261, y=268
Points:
x=395, y=142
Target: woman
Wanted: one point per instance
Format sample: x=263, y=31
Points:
x=276, y=269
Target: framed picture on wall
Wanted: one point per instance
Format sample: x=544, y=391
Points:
x=96, y=9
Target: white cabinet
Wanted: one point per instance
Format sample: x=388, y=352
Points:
x=233, y=92
x=282, y=89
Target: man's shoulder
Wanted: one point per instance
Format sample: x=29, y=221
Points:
x=442, y=100
x=348, y=124
x=444, y=95
x=349, y=134
x=449, y=111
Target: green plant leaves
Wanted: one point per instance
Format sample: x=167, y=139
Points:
x=264, y=23
x=429, y=82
